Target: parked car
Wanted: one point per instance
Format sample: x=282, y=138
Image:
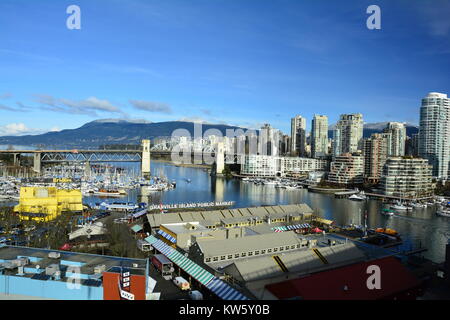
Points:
x=181, y=283
x=30, y=228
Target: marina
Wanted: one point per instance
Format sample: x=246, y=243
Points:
x=420, y=226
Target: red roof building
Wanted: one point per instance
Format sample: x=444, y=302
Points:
x=350, y=283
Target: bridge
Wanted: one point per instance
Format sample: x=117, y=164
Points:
x=86, y=156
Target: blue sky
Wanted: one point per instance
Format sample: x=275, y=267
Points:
x=240, y=62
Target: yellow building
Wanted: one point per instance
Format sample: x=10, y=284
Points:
x=47, y=203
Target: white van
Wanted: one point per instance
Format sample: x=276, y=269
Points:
x=195, y=295
x=182, y=283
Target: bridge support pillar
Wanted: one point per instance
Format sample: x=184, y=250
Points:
x=220, y=159
x=37, y=162
x=145, y=165
x=16, y=159
x=87, y=169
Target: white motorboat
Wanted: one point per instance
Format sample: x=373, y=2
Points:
x=357, y=197
x=443, y=211
x=387, y=212
x=418, y=205
x=399, y=207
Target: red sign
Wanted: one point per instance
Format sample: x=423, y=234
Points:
x=123, y=286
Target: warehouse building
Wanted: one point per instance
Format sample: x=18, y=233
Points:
x=226, y=250
x=234, y=217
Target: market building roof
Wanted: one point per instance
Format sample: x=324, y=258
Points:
x=350, y=283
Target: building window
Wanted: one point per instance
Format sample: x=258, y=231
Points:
x=222, y=258
x=208, y=260
x=256, y=252
x=230, y=256
x=243, y=254
x=275, y=249
x=250, y=254
x=269, y=250
x=263, y=251
x=237, y=255
x=215, y=259
x=281, y=248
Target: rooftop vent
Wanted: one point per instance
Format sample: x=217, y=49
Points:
x=54, y=255
x=100, y=268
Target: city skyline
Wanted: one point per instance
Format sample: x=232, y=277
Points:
x=217, y=62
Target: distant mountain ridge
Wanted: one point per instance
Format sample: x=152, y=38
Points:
x=118, y=131
x=108, y=131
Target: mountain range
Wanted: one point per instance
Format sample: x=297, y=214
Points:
x=113, y=131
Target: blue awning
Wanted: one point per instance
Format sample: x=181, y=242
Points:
x=167, y=236
x=224, y=291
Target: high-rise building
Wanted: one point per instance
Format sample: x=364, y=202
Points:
x=298, y=136
x=319, y=136
x=406, y=177
x=285, y=144
x=396, y=139
x=375, y=156
x=347, y=169
x=269, y=140
x=348, y=134
x=434, y=133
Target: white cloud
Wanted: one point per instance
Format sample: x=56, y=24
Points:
x=151, y=106
x=16, y=129
x=19, y=129
x=89, y=106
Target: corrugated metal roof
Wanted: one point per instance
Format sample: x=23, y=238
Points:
x=329, y=285
x=213, y=248
x=156, y=219
x=298, y=261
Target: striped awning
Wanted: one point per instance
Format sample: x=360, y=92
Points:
x=224, y=291
x=167, y=236
x=291, y=227
x=217, y=286
x=136, y=228
x=191, y=268
x=139, y=213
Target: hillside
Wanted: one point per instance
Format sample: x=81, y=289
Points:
x=101, y=132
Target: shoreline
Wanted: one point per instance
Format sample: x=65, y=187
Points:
x=184, y=165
